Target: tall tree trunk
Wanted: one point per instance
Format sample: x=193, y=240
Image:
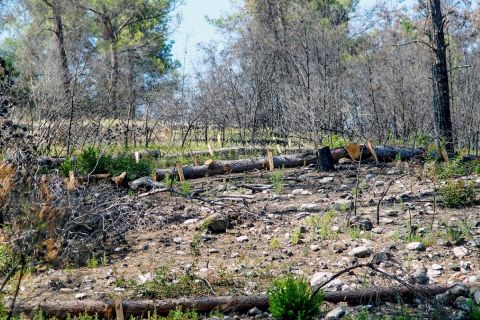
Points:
x=441, y=91
x=62, y=52
x=114, y=72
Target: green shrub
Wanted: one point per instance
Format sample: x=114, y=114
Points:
x=474, y=309
x=276, y=178
x=185, y=187
x=126, y=163
x=7, y=259
x=292, y=299
x=66, y=167
x=457, y=194
x=92, y=161
x=169, y=181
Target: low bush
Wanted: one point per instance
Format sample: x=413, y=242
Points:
x=457, y=194
x=292, y=299
x=126, y=163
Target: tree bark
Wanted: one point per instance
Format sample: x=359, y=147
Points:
x=224, y=304
x=441, y=91
x=384, y=154
x=62, y=53
x=325, y=160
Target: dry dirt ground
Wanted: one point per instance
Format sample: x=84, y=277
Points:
x=301, y=229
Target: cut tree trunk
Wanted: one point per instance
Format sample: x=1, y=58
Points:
x=325, y=160
x=224, y=304
x=235, y=166
x=384, y=154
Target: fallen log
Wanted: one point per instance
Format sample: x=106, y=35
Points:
x=384, y=154
x=236, y=166
x=224, y=304
x=55, y=162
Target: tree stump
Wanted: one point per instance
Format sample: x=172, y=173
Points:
x=325, y=160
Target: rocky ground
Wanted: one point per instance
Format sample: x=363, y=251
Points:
x=230, y=239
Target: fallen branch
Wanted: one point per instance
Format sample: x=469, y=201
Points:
x=223, y=304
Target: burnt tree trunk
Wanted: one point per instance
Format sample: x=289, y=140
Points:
x=441, y=91
x=325, y=160
x=225, y=304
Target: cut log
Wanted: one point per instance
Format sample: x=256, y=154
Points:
x=237, y=166
x=224, y=304
x=325, y=160
x=213, y=168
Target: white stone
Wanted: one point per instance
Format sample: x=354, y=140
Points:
x=177, y=240
x=80, y=295
x=310, y=207
x=416, y=246
x=335, y=314
x=190, y=221
x=242, y=239
x=460, y=252
x=360, y=252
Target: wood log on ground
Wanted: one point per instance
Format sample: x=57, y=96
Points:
x=236, y=166
x=224, y=304
x=384, y=154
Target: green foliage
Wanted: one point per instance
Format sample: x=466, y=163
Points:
x=92, y=161
x=169, y=181
x=274, y=243
x=182, y=315
x=126, y=163
x=92, y=262
x=7, y=259
x=323, y=224
x=276, y=178
x=296, y=236
x=185, y=187
x=196, y=244
x=66, y=167
x=474, y=309
x=292, y=299
x=457, y=194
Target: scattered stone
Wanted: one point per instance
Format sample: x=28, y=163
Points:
x=320, y=277
x=336, y=313
x=437, y=267
x=213, y=250
x=314, y=248
x=310, y=207
x=377, y=230
x=476, y=295
x=361, y=222
x=360, y=252
x=254, y=311
x=216, y=223
x=460, y=251
x=242, y=239
x=145, y=183
x=449, y=297
x=80, y=296
x=343, y=205
x=419, y=277
x=416, y=246
x=391, y=213
x=339, y=247
x=177, y=240
x=326, y=180
x=461, y=303
x=190, y=221
x=143, y=278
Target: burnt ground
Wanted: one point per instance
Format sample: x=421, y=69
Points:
x=300, y=229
